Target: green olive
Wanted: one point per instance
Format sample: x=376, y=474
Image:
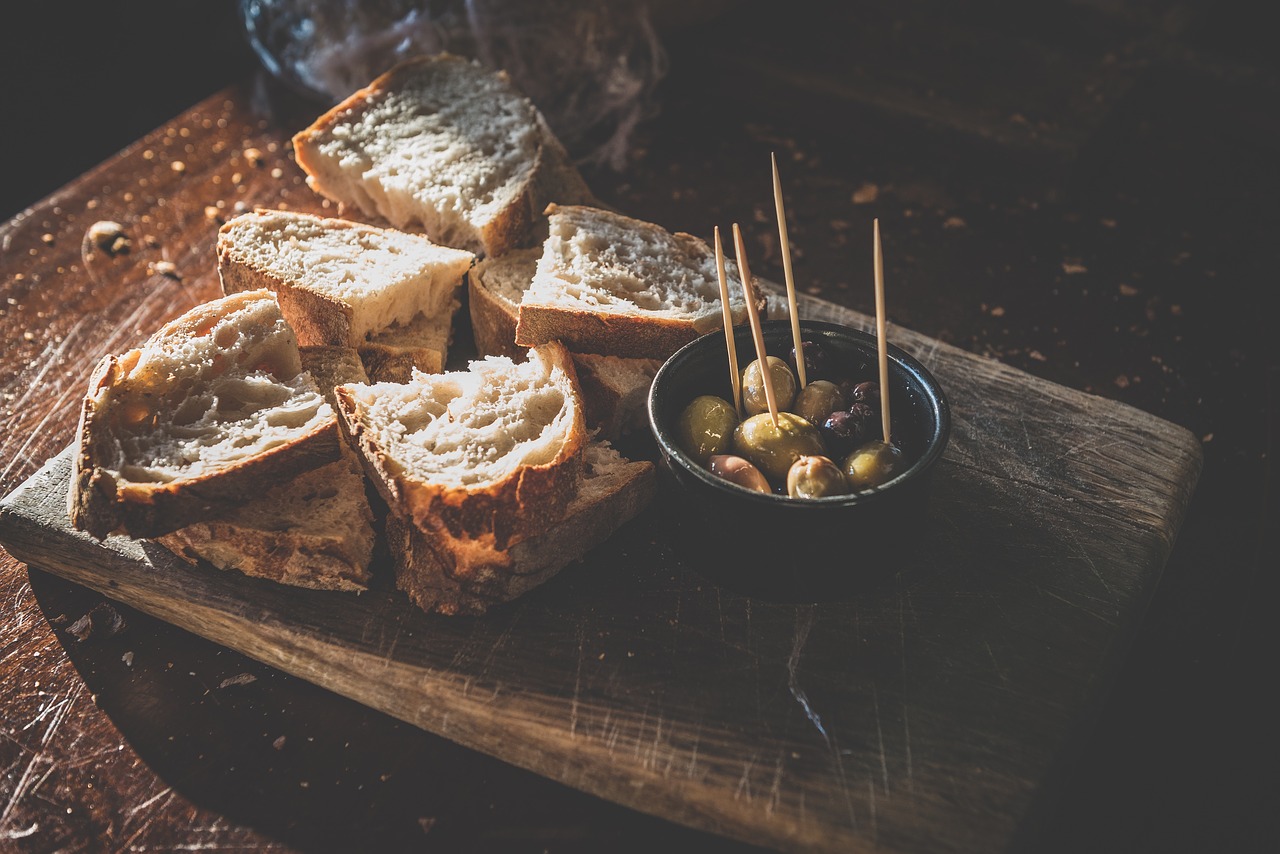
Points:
x=754, y=400
x=705, y=427
x=815, y=477
x=774, y=449
x=872, y=464
x=818, y=400
x=739, y=471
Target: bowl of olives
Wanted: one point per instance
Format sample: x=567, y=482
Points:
x=816, y=499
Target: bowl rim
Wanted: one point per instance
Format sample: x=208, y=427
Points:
x=934, y=397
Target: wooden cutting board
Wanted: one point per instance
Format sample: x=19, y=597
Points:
x=931, y=715
x=928, y=715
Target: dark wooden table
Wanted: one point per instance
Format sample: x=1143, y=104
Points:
x=1085, y=193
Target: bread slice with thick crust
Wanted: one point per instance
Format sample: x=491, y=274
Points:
x=192, y=423
x=339, y=282
x=442, y=144
x=314, y=530
x=493, y=453
x=617, y=286
x=454, y=575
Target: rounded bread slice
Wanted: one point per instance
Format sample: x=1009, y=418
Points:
x=492, y=453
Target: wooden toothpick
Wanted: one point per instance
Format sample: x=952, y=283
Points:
x=878, y=255
x=786, y=272
x=731, y=345
x=753, y=314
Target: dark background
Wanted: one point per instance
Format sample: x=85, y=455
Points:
x=1083, y=190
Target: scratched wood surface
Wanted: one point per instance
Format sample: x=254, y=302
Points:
x=929, y=715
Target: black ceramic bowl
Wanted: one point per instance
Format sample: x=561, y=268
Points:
x=790, y=547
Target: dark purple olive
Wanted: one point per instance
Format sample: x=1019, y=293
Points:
x=868, y=393
x=842, y=432
x=815, y=361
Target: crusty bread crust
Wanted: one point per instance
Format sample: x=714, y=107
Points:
x=525, y=502
x=395, y=364
x=613, y=407
x=100, y=504
x=458, y=576
x=606, y=334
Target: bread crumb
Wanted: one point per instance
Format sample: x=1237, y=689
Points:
x=998, y=311
x=210, y=212
x=866, y=194
x=178, y=166
x=166, y=268
x=254, y=156
x=1072, y=268
x=277, y=172
x=127, y=658
x=1121, y=381
x=1127, y=290
x=238, y=679
x=954, y=222
x=1206, y=438
x=47, y=237
x=278, y=744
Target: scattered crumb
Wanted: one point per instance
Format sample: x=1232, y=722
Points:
x=254, y=156
x=236, y=177
x=127, y=658
x=866, y=194
x=998, y=311
x=839, y=225
x=210, y=212
x=954, y=222
x=1206, y=438
x=1037, y=356
x=150, y=241
x=102, y=621
x=108, y=236
x=166, y=268
x=238, y=679
x=1175, y=310
x=427, y=823
x=1121, y=381
x=47, y=237
x=178, y=166
x=1108, y=222
x=277, y=172
x=278, y=744
x=1128, y=290
x=1072, y=268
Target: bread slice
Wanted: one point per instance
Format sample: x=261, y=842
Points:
x=314, y=530
x=460, y=576
x=615, y=392
x=211, y=407
x=331, y=367
x=492, y=453
x=495, y=287
x=338, y=282
x=423, y=343
x=617, y=286
x=441, y=143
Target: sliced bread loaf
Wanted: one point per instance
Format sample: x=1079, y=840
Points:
x=441, y=143
x=493, y=452
x=422, y=343
x=617, y=286
x=210, y=408
x=495, y=287
x=338, y=282
x=461, y=576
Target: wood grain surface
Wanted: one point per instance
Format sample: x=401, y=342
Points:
x=927, y=714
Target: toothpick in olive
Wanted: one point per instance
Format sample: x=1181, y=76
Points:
x=773, y=449
x=753, y=394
